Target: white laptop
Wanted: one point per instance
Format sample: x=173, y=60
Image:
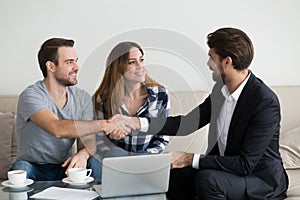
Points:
x=134, y=175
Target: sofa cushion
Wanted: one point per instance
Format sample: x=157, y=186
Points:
x=290, y=149
x=288, y=97
x=6, y=132
x=193, y=143
x=294, y=185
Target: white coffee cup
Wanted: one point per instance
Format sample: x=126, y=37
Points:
x=79, y=174
x=17, y=177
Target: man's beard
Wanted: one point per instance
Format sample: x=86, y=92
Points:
x=66, y=82
x=221, y=75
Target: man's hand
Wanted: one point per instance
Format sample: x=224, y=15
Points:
x=78, y=160
x=181, y=159
x=131, y=122
x=119, y=126
x=117, y=134
x=116, y=129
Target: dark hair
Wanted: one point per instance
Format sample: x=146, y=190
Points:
x=48, y=52
x=234, y=43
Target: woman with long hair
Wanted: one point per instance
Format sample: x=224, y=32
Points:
x=127, y=89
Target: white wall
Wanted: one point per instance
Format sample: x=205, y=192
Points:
x=173, y=33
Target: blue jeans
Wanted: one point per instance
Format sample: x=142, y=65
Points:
x=96, y=165
x=51, y=172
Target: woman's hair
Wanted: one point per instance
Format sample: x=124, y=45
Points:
x=234, y=43
x=111, y=90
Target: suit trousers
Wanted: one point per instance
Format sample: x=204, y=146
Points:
x=189, y=183
x=181, y=183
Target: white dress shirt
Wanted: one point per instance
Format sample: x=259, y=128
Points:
x=224, y=119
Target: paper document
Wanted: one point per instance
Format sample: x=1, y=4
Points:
x=65, y=194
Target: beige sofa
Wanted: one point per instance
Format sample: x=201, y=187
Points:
x=182, y=102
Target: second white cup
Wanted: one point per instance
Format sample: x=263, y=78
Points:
x=79, y=174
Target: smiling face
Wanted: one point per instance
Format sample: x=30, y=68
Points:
x=66, y=71
x=216, y=66
x=135, y=71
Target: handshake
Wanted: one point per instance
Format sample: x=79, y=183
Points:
x=119, y=126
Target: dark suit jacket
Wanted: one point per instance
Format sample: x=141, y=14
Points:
x=252, y=148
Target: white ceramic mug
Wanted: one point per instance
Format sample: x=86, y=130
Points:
x=17, y=177
x=79, y=174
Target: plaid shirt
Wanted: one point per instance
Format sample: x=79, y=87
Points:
x=156, y=105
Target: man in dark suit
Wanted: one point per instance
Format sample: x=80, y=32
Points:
x=242, y=159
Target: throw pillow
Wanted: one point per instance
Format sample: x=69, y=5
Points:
x=290, y=149
x=6, y=132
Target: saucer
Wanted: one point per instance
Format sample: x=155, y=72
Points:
x=7, y=183
x=85, y=181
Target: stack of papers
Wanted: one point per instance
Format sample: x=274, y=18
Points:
x=65, y=194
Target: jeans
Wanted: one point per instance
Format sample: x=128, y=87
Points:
x=96, y=166
x=51, y=172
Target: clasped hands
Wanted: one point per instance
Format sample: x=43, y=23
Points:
x=119, y=126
